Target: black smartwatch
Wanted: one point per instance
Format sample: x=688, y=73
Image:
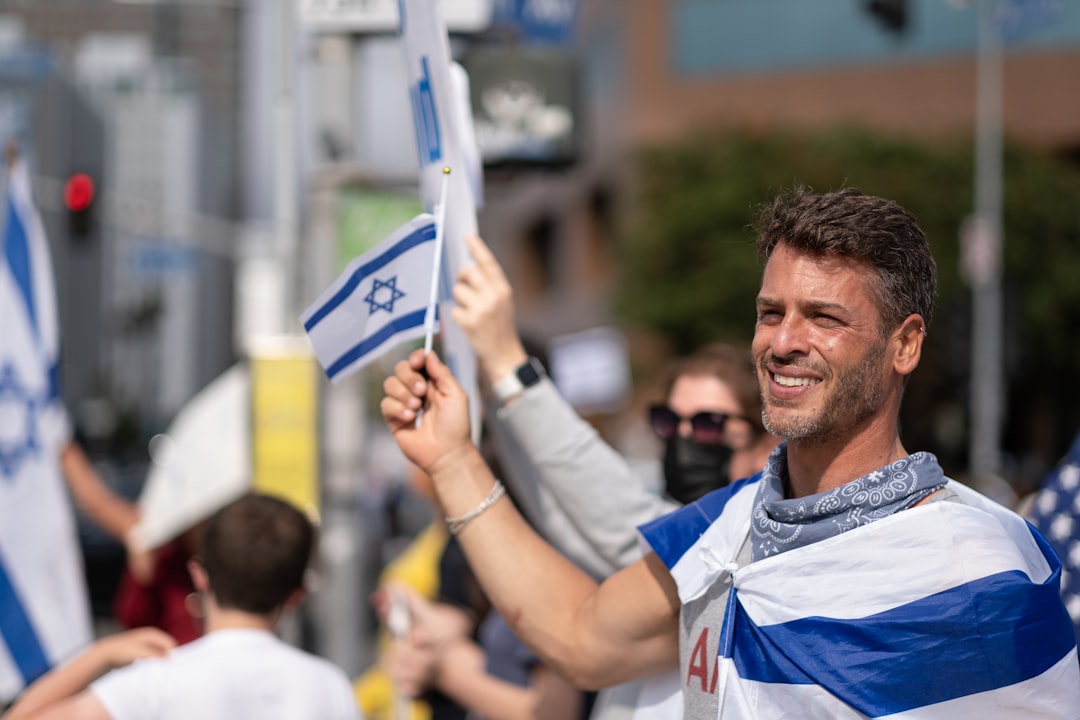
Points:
x=513, y=384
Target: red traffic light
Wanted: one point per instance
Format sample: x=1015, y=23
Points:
x=78, y=192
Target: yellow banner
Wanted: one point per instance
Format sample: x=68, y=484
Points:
x=285, y=422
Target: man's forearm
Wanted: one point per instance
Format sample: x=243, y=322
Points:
x=554, y=607
x=61, y=683
x=106, y=509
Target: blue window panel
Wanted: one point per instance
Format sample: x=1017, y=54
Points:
x=717, y=37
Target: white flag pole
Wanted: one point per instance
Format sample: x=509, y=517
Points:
x=398, y=623
x=433, y=297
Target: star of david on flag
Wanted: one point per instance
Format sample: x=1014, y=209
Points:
x=378, y=289
x=1055, y=511
x=18, y=423
x=379, y=301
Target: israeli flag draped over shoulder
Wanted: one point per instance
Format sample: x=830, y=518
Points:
x=44, y=604
x=947, y=610
x=380, y=300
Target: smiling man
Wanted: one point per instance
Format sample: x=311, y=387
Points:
x=850, y=578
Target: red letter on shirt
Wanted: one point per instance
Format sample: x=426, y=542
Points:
x=699, y=662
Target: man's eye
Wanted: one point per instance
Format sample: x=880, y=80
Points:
x=826, y=320
x=765, y=316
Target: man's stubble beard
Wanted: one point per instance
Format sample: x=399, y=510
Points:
x=858, y=394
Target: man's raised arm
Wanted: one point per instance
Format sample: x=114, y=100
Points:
x=596, y=635
x=576, y=489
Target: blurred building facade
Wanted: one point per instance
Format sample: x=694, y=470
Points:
x=660, y=70
x=145, y=287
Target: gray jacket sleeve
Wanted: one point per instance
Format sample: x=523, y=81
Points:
x=577, y=491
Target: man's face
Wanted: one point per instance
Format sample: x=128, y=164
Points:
x=820, y=356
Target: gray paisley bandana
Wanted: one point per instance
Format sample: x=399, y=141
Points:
x=780, y=525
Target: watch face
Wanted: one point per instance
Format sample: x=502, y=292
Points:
x=529, y=373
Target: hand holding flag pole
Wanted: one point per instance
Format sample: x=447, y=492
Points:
x=433, y=297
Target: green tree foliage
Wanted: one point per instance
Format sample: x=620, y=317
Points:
x=689, y=270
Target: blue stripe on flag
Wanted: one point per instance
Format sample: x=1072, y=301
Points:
x=405, y=322
x=670, y=538
x=18, y=633
x=17, y=251
x=54, y=382
x=983, y=635
x=417, y=237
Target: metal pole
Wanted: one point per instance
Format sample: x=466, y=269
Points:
x=987, y=372
x=284, y=253
x=343, y=630
x=285, y=161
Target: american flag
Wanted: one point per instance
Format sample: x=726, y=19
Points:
x=1056, y=513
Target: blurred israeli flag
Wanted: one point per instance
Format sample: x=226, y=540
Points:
x=379, y=301
x=44, y=604
x=445, y=137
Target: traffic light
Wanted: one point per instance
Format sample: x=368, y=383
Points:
x=892, y=14
x=79, y=194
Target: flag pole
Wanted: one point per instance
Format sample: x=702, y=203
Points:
x=433, y=297
x=398, y=623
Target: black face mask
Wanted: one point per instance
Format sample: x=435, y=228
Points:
x=692, y=469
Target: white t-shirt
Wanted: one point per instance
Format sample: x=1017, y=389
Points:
x=231, y=675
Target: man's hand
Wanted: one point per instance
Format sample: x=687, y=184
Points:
x=62, y=692
x=443, y=431
x=484, y=309
x=417, y=654
x=411, y=666
x=141, y=562
x=127, y=647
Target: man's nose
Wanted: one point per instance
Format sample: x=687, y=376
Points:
x=790, y=337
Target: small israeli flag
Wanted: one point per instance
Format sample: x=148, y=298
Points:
x=379, y=301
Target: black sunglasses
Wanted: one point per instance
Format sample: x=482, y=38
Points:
x=705, y=427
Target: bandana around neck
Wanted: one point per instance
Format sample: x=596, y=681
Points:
x=779, y=525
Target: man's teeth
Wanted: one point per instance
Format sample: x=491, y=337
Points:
x=794, y=382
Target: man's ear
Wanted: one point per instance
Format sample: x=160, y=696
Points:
x=295, y=598
x=908, y=339
x=198, y=576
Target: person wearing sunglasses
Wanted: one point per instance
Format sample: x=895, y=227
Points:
x=581, y=494
x=711, y=423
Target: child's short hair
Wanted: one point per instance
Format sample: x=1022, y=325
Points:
x=255, y=552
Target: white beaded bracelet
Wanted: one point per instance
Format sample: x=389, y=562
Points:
x=456, y=525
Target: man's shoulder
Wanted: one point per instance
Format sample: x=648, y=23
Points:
x=723, y=512
x=228, y=647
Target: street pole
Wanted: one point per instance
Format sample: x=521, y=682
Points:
x=987, y=371
x=285, y=162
